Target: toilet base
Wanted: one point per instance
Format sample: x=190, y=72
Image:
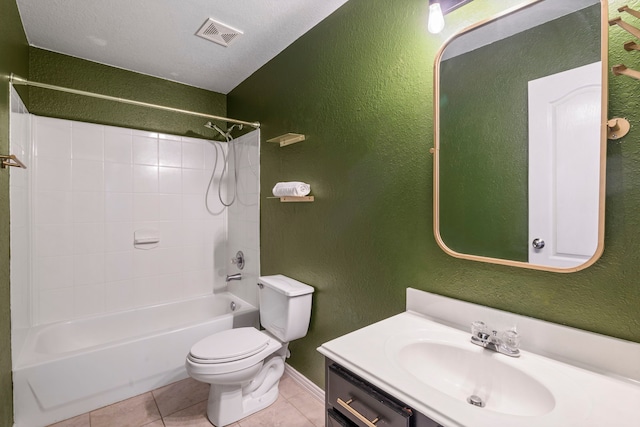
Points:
x=230, y=403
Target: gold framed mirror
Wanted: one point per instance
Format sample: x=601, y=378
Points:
x=520, y=112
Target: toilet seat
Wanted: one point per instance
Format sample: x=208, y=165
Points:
x=229, y=345
x=230, y=350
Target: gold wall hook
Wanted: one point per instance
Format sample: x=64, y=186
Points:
x=630, y=11
x=11, y=160
x=631, y=45
x=627, y=27
x=622, y=69
x=617, y=128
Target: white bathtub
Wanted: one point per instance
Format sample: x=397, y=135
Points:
x=69, y=368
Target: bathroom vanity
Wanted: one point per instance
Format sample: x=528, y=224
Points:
x=420, y=369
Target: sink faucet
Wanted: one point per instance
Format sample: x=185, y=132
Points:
x=230, y=277
x=507, y=343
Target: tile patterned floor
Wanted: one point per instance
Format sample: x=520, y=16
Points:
x=184, y=403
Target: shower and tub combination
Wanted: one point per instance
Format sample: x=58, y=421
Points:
x=95, y=317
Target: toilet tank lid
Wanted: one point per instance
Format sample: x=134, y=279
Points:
x=286, y=285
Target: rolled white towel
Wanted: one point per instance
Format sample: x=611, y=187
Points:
x=293, y=188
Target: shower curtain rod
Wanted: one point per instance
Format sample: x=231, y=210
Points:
x=20, y=81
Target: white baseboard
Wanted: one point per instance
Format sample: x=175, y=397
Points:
x=305, y=383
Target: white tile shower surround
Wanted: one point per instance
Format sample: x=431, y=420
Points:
x=95, y=185
x=184, y=403
x=20, y=143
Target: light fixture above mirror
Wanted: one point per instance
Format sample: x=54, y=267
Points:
x=437, y=10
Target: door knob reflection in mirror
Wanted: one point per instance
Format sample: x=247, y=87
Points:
x=537, y=243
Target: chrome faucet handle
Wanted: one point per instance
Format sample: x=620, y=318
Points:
x=478, y=327
x=480, y=333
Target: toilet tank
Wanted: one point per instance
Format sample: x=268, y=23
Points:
x=285, y=306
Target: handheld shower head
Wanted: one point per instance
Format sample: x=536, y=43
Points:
x=226, y=135
x=216, y=128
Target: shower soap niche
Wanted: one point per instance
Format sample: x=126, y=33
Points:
x=146, y=238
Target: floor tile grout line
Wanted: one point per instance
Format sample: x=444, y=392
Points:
x=307, y=418
x=296, y=407
x=157, y=406
x=180, y=410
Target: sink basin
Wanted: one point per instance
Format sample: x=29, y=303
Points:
x=462, y=370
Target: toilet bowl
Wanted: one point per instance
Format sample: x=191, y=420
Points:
x=244, y=365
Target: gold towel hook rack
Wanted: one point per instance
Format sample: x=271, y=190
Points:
x=11, y=160
x=630, y=11
x=631, y=45
x=627, y=27
x=622, y=69
x=617, y=128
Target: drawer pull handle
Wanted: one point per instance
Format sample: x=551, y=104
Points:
x=358, y=415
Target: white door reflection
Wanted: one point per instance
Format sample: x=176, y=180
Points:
x=564, y=165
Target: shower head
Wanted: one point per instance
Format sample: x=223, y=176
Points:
x=215, y=127
x=226, y=135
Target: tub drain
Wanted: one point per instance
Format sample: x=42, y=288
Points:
x=232, y=306
x=475, y=400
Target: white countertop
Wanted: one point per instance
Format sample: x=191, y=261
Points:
x=582, y=398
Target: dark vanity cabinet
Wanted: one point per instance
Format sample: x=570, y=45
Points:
x=353, y=402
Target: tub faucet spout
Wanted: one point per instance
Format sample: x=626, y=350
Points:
x=230, y=277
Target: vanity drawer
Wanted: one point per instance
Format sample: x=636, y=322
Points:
x=334, y=419
x=361, y=403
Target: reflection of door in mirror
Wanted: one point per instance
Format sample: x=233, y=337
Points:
x=482, y=147
x=564, y=165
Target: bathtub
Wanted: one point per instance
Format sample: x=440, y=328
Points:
x=69, y=368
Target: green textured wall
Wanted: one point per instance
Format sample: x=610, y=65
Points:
x=359, y=85
x=62, y=70
x=14, y=56
x=484, y=131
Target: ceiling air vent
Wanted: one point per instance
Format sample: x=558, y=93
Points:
x=219, y=33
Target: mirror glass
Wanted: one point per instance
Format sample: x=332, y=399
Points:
x=520, y=113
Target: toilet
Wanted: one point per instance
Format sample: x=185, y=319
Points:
x=244, y=365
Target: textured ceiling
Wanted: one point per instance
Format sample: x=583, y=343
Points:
x=157, y=37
